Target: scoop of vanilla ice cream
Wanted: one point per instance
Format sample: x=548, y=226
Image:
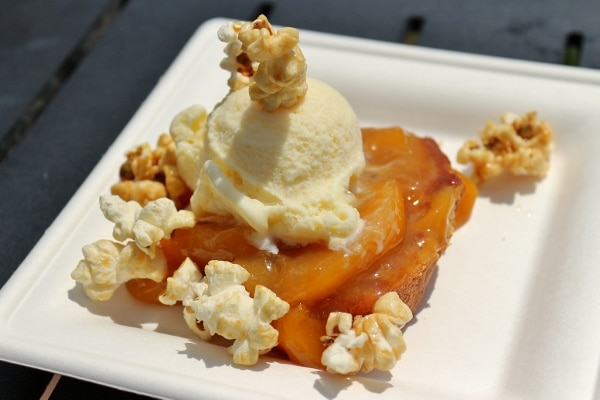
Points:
x=285, y=173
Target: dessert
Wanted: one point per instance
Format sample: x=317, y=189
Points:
x=277, y=222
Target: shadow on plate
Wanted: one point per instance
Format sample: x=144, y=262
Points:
x=504, y=188
x=330, y=386
x=124, y=310
x=214, y=354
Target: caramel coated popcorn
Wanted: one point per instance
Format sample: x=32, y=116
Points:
x=519, y=144
x=150, y=174
x=269, y=61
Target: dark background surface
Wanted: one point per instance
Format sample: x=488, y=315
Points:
x=73, y=72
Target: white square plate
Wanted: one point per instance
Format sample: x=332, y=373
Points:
x=516, y=308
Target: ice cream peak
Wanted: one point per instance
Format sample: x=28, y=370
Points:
x=281, y=151
x=287, y=173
